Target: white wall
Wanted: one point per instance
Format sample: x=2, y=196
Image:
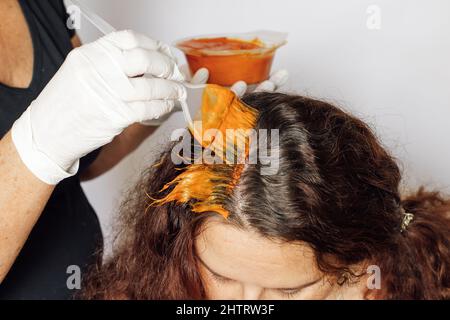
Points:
x=397, y=78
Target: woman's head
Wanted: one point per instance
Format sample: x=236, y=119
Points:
x=310, y=230
x=240, y=263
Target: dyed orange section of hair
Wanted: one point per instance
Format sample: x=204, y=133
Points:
x=221, y=111
x=209, y=185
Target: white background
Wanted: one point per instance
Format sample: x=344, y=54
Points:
x=396, y=78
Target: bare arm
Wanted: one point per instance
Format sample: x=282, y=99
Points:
x=22, y=199
x=76, y=41
x=116, y=150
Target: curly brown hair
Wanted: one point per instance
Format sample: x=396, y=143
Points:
x=337, y=189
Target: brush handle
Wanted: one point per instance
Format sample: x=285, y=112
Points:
x=97, y=21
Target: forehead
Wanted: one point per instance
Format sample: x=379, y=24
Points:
x=245, y=256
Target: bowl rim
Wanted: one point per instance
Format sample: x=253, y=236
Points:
x=269, y=45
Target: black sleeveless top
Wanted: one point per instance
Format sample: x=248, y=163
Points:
x=68, y=232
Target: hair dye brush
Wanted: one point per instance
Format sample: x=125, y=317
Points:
x=196, y=94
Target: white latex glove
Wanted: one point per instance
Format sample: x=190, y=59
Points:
x=93, y=97
x=275, y=81
x=200, y=77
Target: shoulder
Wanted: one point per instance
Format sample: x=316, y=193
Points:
x=53, y=14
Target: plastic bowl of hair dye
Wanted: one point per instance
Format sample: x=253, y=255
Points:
x=233, y=57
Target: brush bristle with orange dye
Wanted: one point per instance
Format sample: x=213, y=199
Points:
x=222, y=111
x=210, y=185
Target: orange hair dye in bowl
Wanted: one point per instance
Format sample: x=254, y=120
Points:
x=246, y=57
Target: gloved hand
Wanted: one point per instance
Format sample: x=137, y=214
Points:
x=275, y=81
x=200, y=77
x=94, y=96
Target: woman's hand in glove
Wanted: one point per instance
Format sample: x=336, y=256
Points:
x=95, y=95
